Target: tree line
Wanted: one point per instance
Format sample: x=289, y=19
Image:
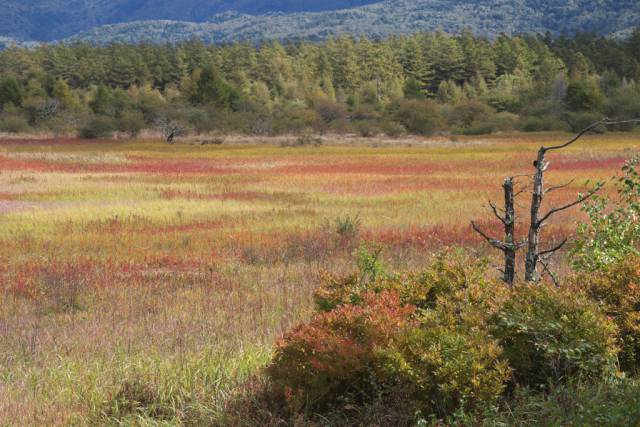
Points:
x=421, y=84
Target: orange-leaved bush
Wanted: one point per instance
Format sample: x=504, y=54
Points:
x=333, y=358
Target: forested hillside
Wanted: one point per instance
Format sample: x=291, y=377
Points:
x=220, y=21
x=54, y=19
x=422, y=84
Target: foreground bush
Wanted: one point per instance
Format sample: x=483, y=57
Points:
x=448, y=341
x=448, y=272
x=617, y=289
x=611, y=403
x=441, y=369
x=334, y=357
x=613, y=230
x=551, y=334
x=396, y=337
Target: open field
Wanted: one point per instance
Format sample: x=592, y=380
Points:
x=169, y=270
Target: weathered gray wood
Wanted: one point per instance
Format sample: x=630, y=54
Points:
x=508, y=246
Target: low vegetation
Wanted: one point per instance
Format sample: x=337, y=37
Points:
x=149, y=283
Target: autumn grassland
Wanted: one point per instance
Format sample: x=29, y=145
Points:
x=169, y=270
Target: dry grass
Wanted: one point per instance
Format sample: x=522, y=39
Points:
x=142, y=282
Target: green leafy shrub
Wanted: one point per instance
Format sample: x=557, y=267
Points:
x=131, y=122
x=448, y=272
x=581, y=120
x=478, y=128
x=611, y=403
x=465, y=113
x=328, y=110
x=98, y=127
x=13, y=124
x=393, y=129
x=617, y=288
x=333, y=358
x=442, y=369
x=504, y=121
x=613, y=230
x=544, y=123
x=550, y=334
x=367, y=128
x=417, y=116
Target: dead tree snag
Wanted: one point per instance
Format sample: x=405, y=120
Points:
x=536, y=257
x=508, y=219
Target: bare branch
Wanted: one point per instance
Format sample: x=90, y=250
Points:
x=605, y=121
x=495, y=212
x=521, y=244
x=578, y=136
x=545, y=267
x=493, y=242
x=570, y=205
x=554, y=249
x=609, y=122
x=558, y=187
x=523, y=175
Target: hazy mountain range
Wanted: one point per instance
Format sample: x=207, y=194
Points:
x=104, y=21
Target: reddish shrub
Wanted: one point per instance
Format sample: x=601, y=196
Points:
x=333, y=357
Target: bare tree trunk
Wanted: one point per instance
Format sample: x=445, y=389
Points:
x=508, y=245
x=509, y=232
x=533, y=242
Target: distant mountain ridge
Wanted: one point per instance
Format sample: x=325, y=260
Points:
x=230, y=20
x=47, y=20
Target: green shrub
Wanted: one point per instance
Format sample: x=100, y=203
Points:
x=534, y=124
x=295, y=118
x=329, y=110
x=580, y=121
x=465, y=113
x=584, y=95
x=441, y=369
x=543, y=123
x=603, y=404
x=367, y=128
x=419, y=117
x=613, y=230
x=448, y=272
x=551, y=334
x=98, y=127
x=504, y=121
x=13, y=124
x=393, y=129
x=617, y=289
x=131, y=122
x=478, y=128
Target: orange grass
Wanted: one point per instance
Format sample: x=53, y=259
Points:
x=178, y=266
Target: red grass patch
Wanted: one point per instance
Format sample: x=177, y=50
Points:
x=363, y=169
x=235, y=195
x=53, y=141
x=611, y=164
